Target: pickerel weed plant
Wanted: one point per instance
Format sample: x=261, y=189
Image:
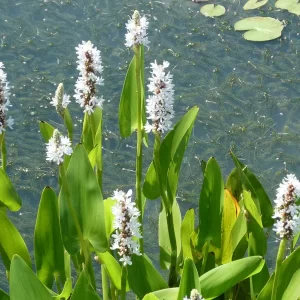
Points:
x=221, y=257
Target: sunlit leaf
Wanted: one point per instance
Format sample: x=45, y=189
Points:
x=253, y=4
x=293, y=6
x=210, y=10
x=260, y=29
x=187, y=228
x=46, y=130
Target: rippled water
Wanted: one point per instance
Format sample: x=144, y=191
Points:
x=248, y=92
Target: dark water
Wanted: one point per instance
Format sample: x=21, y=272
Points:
x=248, y=92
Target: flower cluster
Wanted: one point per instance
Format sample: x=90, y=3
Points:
x=159, y=106
x=127, y=227
x=89, y=65
x=4, y=101
x=60, y=101
x=57, y=146
x=194, y=296
x=287, y=212
x=137, y=31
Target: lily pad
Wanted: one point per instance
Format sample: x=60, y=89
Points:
x=260, y=29
x=293, y=6
x=253, y=4
x=210, y=10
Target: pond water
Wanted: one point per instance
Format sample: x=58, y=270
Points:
x=248, y=92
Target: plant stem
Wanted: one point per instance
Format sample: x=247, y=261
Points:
x=3, y=151
x=204, y=261
x=105, y=287
x=65, y=186
x=123, y=283
x=113, y=291
x=279, y=260
x=58, y=284
x=139, y=146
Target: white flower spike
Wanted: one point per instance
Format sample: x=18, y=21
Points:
x=286, y=210
x=89, y=65
x=159, y=106
x=4, y=101
x=137, y=31
x=127, y=227
x=60, y=101
x=195, y=295
x=57, y=147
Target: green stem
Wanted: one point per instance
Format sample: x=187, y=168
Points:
x=123, y=283
x=139, y=146
x=105, y=286
x=279, y=260
x=206, y=250
x=58, y=284
x=3, y=151
x=65, y=186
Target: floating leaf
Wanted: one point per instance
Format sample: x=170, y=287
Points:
x=210, y=10
x=260, y=29
x=293, y=6
x=253, y=4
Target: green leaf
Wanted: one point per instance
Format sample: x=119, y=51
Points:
x=143, y=278
x=8, y=195
x=167, y=294
x=24, y=284
x=109, y=217
x=147, y=297
x=3, y=295
x=46, y=130
x=210, y=10
x=86, y=136
x=11, y=242
x=113, y=268
x=260, y=29
x=67, y=291
x=187, y=228
x=189, y=279
x=253, y=4
x=211, y=205
x=293, y=6
x=83, y=289
x=48, y=247
x=219, y=280
x=151, y=186
x=164, y=237
x=87, y=201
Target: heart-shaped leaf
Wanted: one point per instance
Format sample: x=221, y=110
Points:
x=260, y=29
x=293, y=6
x=210, y=10
x=253, y=4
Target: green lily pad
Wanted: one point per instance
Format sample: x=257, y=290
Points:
x=210, y=10
x=293, y=6
x=253, y=4
x=260, y=29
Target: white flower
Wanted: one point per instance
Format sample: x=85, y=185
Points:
x=89, y=64
x=195, y=295
x=286, y=211
x=137, y=31
x=57, y=147
x=60, y=101
x=127, y=227
x=159, y=106
x=4, y=101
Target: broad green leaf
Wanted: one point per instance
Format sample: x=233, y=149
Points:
x=11, y=242
x=83, y=289
x=147, y=297
x=151, y=186
x=86, y=198
x=187, y=228
x=189, y=279
x=48, y=246
x=247, y=180
x=253, y=4
x=86, y=135
x=8, y=196
x=293, y=6
x=266, y=292
x=230, y=212
x=221, y=279
x=210, y=10
x=167, y=294
x=46, y=130
x=128, y=117
x=24, y=284
x=211, y=205
x=143, y=278
x=164, y=237
x=113, y=268
x=260, y=29
x=109, y=217
x=3, y=295
x=68, y=123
